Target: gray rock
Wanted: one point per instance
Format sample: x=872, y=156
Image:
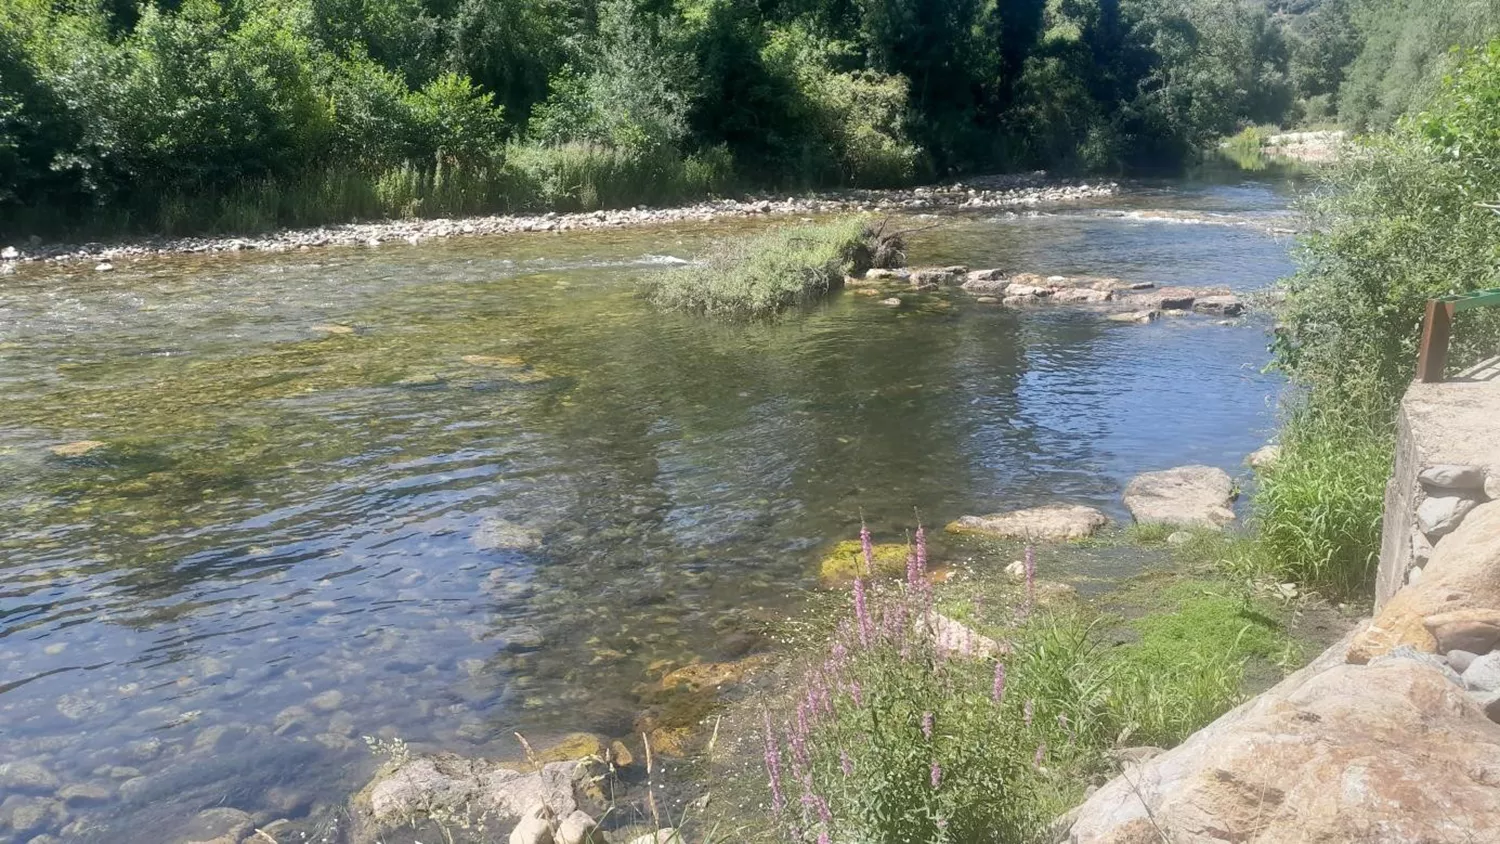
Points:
x=1410, y=654
x=1461, y=660
x=1189, y=496
x=1421, y=548
x=82, y=794
x=1439, y=515
x=1050, y=523
x=1413, y=575
x=522, y=637
x=1141, y=317
x=1221, y=305
x=1452, y=476
x=217, y=826
x=661, y=836
x=27, y=776
x=1483, y=673
x=496, y=534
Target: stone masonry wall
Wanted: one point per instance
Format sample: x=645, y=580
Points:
x=1447, y=462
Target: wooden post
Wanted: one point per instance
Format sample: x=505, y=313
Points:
x=1432, y=355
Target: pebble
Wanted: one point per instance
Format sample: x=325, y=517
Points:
x=327, y=701
x=84, y=793
x=1000, y=192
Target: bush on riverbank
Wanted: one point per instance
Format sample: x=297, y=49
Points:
x=892, y=738
x=762, y=275
x=1401, y=219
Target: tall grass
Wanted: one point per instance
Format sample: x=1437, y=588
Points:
x=761, y=275
x=896, y=737
x=1319, y=506
x=522, y=178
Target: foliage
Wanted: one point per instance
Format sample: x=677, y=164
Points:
x=761, y=275
x=892, y=738
x=114, y=116
x=1402, y=219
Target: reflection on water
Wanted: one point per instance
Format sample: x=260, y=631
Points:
x=450, y=491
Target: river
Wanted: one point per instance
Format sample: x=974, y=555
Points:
x=448, y=491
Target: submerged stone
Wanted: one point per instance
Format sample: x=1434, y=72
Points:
x=76, y=449
x=846, y=562
x=1053, y=522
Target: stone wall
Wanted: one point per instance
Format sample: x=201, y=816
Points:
x=1447, y=462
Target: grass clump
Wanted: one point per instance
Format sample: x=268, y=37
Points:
x=896, y=736
x=762, y=275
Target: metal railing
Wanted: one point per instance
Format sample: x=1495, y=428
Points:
x=1437, y=330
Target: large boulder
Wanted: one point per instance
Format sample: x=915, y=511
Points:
x=1196, y=496
x=1050, y=523
x=1457, y=598
x=1389, y=752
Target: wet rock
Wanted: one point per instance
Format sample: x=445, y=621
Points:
x=1140, y=317
x=1264, y=457
x=935, y=275
x=291, y=720
x=892, y=302
x=846, y=562
x=522, y=637
x=867, y=291
x=328, y=701
x=1189, y=496
x=1438, y=515
x=1050, y=523
x=27, y=776
x=79, y=706
x=1451, y=476
x=76, y=449
x=217, y=826
x=702, y=676
x=341, y=724
x=31, y=814
x=494, y=534
x=83, y=794
x=1219, y=305
x=882, y=273
x=143, y=750
x=573, y=747
x=1170, y=298
x=987, y=300
x=1082, y=295
x=425, y=784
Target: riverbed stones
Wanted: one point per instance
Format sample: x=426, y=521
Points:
x=1170, y=298
x=497, y=534
x=535, y=827
x=217, y=826
x=1394, y=752
x=27, y=776
x=578, y=828
x=31, y=814
x=1187, y=496
x=701, y=676
x=935, y=275
x=1050, y=523
x=1138, y=317
x=76, y=449
x=328, y=701
x=1082, y=295
x=1222, y=305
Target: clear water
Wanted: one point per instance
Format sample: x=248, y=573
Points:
x=459, y=549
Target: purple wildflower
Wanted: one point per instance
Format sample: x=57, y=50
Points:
x=921, y=551
x=862, y=611
x=854, y=692
x=773, y=767
x=937, y=775
x=997, y=692
x=866, y=547
x=1026, y=713
x=845, y=763
x=913, y=572
x=823, y=838
x=927, y=725
x=1041, y=754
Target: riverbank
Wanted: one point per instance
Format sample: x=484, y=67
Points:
x=989, y=192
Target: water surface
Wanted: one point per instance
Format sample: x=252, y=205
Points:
x=512, y=487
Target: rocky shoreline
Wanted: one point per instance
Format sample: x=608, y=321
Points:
x=994, y=192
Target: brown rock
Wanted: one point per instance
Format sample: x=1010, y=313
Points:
x=1462, y=574
x=1392, y=753
x=1476, y=631
x=714, y=675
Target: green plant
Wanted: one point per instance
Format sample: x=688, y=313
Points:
x=762, y=275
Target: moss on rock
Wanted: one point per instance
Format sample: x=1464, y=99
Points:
x=846, y=561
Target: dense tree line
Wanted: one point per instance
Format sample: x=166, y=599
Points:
x=177, y=114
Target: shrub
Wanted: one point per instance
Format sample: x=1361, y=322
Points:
x=762, y=275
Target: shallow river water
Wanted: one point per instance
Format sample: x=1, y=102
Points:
x=512, y=487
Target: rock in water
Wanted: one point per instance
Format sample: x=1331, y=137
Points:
x=1382, y=753
x=1190, y=496
x=1050, y=523
x=1224, y=305
x=1264, y=457
x=495, y=534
